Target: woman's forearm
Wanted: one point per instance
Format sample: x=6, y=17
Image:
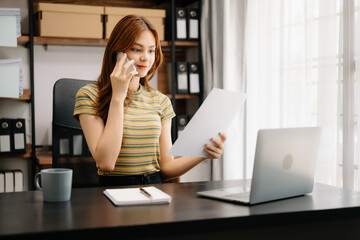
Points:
x=176, y=167
x=109, y=144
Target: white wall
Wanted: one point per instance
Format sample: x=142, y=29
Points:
x=51, y=64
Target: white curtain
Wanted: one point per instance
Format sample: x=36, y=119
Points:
x=302, y=61
x=294, y=73
x=302, y=70
x=223, y=27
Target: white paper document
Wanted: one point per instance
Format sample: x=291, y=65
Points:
x=213, y=116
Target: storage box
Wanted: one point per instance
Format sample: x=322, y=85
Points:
x=67, y=20
x=155, y=16
x=10, y=74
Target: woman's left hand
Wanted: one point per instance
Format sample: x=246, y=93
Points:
x=215, y=151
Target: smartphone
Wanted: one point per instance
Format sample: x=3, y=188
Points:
x=131, y=68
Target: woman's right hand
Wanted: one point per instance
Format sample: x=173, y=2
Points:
x=119, y=79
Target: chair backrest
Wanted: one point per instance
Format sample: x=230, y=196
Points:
x=69, y=148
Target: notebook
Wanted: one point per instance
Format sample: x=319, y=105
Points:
x=133, y=196
x=284, y=166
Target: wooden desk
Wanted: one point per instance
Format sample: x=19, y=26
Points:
x=327, y=212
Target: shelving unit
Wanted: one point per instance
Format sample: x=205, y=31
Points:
x=174, y=59
x=27, y=161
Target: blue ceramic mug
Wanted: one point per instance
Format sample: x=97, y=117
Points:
x=55, y=184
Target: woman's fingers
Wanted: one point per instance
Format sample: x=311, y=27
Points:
x=120, y=71
x=127, y=65
x=219, y=144
x=223, y=136
x=131, y=74
x=119, y=63
x=216, y=150
x=213, y=154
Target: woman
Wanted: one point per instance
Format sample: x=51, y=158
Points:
x=127, y=124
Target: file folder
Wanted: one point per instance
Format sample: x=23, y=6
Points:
x=19, y=135
x=64, y=146
x=181, y=78
x=181, y=22
x=193, y=24
x=2, y=181
x=77, y=145
x=18, y=180
x=194, y=78
x=9, y=181
x=5, y=136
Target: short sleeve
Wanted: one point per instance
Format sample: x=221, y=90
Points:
x=86, y=101
x=167, y=110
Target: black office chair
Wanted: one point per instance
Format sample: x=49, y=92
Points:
x=69, y=148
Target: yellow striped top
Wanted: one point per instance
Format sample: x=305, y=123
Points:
x=140, y=151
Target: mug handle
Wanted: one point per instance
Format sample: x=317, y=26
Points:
x=37, y=181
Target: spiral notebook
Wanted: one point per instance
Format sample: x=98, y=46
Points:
x=134, y=196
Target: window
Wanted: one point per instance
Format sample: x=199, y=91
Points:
x=303, y=70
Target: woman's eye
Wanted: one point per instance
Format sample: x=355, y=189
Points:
x=152, y=51
x=136, y=50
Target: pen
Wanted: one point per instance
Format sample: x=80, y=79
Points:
x=146, y=193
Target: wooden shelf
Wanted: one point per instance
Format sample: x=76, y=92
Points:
x=22, y=40
x=25, y=97
x=184, y=96
x=180, y=44
x=44, y=158
x=90, y=42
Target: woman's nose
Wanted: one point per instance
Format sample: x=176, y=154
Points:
x=144, y=57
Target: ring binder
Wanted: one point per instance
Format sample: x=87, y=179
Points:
x=5, y=136
x=9, y=181
x=2, y=181
x=18, y=130
x=194, y=78
x=193, y=24
x=181, y=22
x=18, y=180
x=182, y=121
x=181, y=78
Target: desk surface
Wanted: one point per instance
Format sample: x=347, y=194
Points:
x=26, y=214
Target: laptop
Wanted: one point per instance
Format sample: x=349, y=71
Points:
x=284, y=167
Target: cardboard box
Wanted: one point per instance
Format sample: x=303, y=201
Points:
x=155, y=16
x=68, y=20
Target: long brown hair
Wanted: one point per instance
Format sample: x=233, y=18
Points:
x=121, y=39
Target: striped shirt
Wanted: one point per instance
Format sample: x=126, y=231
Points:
x=140, y=151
